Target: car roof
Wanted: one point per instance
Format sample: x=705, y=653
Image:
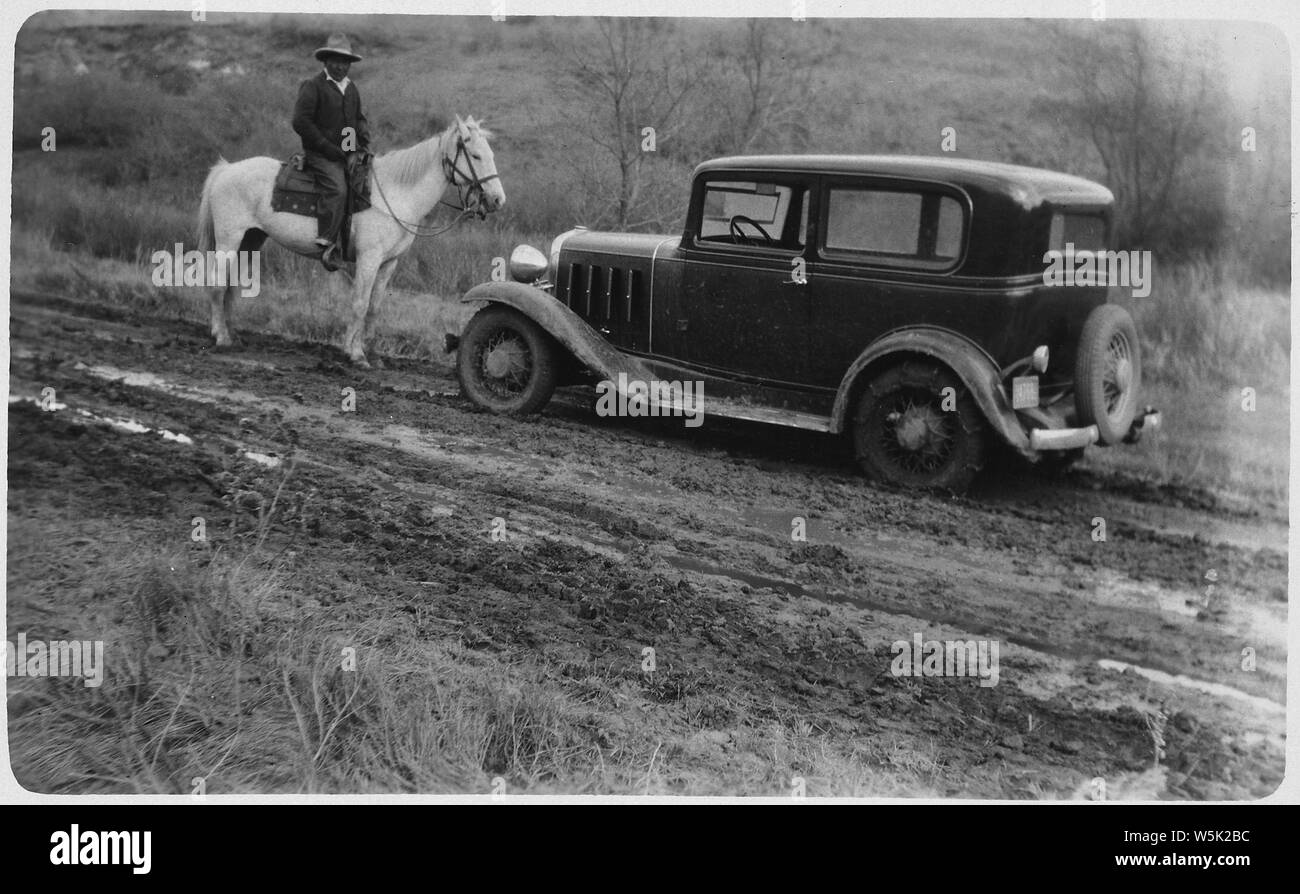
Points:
x=1029, y=186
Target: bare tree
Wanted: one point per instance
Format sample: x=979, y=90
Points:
x=631, y=74
x=761, y=88
x=1150, y=115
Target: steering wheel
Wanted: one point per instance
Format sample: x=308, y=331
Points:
x=739, y=237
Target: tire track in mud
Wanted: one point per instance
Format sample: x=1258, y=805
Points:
x=922, y=579
x=663, y=506
x=901, y=567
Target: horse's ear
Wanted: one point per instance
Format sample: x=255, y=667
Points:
x=460, y=125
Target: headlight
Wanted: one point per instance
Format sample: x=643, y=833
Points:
x=1040, y=358
x=526, y=264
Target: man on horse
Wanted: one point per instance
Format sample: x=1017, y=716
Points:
x=334, y=134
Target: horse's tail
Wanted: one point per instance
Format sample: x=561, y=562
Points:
x=207, y=237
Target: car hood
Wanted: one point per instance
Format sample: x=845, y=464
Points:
x=626, y=245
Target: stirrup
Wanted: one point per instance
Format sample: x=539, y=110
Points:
x=329, y=257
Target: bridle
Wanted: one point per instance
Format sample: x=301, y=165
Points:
x=471, y=184
x=469, y=187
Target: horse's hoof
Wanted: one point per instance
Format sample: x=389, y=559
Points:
x=378, y=363
x=361, y=363
x=223, y=346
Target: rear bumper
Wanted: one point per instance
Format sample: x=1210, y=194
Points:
x=1062, y=438
x=1074, y=438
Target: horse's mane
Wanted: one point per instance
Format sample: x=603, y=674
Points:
x=408, y=166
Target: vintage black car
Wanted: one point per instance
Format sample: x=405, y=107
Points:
x=901, y=300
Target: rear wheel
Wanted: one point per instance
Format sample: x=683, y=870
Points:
x=506, y=362
x=918, y=426
x=1108, y=373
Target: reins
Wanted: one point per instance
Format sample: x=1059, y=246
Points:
x=451, y=168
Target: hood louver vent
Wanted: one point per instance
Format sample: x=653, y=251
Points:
x=602, y=293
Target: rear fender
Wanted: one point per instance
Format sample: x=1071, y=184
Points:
x=977, y=371
x=565, y=326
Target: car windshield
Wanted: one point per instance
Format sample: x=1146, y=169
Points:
x=758, y=211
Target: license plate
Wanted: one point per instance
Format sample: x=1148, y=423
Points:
x=1024, y=392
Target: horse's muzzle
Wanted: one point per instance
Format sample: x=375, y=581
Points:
x=484, y=203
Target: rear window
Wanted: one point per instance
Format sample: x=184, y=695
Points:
x=894, y=227
x=1084, y=231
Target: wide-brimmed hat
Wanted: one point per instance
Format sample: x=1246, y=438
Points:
x=337, y=45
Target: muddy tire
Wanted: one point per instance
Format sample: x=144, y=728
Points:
x=903, y=434
x=1108, y=373
x=506, y=362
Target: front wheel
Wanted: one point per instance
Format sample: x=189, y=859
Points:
x=506, y=362
x=918, y=426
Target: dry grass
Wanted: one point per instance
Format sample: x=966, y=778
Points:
x=1200, y=323
x=218, y=674
x=298, y=301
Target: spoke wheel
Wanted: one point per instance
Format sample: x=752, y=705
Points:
x=1108, y=373
x=506, y=362
x=910, y=430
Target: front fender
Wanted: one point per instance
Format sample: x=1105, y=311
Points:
x=977, y=371
x=565, y=326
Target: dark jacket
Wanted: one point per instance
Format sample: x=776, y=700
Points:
x=322, y=112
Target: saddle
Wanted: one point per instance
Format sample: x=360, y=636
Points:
x=295, y=192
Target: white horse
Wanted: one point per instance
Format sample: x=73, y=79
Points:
x=405, y=186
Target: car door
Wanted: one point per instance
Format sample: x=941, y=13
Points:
x=885, y=250
x=739, y=309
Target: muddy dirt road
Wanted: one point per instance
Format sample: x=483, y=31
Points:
x=582, y=541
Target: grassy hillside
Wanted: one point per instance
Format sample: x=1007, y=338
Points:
x=166, y=99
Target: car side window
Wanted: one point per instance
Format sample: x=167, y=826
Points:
x=893, y=227
x=948, y=230
x=754, y=214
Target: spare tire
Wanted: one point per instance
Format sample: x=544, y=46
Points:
x=1108, y=373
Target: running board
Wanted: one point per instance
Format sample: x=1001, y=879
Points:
x=788, y=418
x=729, y=409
